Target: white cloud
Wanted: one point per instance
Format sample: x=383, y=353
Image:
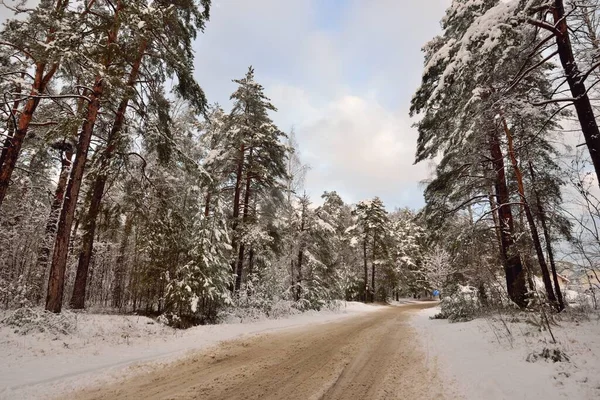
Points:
x=344, y=81
x=354, y=146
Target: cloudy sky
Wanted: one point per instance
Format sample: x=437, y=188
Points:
x=342, y=73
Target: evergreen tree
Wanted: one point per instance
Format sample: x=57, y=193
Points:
x=371, y=227
x=468, y=99
x=260, y=160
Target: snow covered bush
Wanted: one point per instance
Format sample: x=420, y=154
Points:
x=461, y=306
x=547, y=354
x=334, y=305
x=27, y=320
x=257, y=311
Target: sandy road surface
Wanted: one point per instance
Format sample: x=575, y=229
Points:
x=372, y=356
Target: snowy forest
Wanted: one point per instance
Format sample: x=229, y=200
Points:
x=124, y=189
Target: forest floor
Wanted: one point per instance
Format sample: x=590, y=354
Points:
x=369, y=356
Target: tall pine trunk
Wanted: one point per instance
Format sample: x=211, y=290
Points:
x=85, y=255
x=576, y=82
x=535, y=237
x=56, y=281
x=547, y=239
x=373, y=269
x=300, y=275
x=366, y=268
x=61, y=246
x=98, y=186
x=236, y=212
x=240, y=262
x=117, y=300
x=293, y=278
x=301, y=249
x=51, y=223
x=513, y=268
x=496, y=219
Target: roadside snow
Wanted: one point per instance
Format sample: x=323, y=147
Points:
x=106, y=347
x=489, y=363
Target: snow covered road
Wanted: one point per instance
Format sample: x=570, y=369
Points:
x=109, y=347
x=368, y=356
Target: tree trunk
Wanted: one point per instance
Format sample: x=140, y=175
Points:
x=513, y=268
x=547, y=239
x=240, y=265
x=236, y=212
x=87, y=246
x=239, y=268
x=497, y=227
x=97, y=189
x=293, y=278
x=120, y=264
x=576, y=82
x=251, y=261
x=373, y=269
x=535, y=237
x=366, y=267
x=300, y=276
x=207, y=205
x=61, y=246
x=59, y=193
x=301, y=247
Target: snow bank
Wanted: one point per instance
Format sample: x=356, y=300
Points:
x=489, y=363
x=105, y=347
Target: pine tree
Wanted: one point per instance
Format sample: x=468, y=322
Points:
x=260, y=159
x=467, y=87
x=372, y=225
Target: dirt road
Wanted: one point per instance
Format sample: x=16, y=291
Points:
x=372, y=356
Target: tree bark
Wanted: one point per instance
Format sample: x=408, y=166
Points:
x=56, y=281
x=87, y=242
x=300, y=277
x=497, y=227
x=207, y=205
x=547, y=239
x=98, y=186
x=373, y=269
x=61, y=245
x=301, y=249
x=513, y=268
x=240, y=264
x=366, y=267
x=236, y=211
x=535, y=237
x=120, y=264
x=59, y=193
x=581, y=101
x=293, y=278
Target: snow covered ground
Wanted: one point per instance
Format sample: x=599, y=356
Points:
x=105, y=347
x=486, y=362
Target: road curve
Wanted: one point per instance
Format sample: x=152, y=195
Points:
x=371, y=356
